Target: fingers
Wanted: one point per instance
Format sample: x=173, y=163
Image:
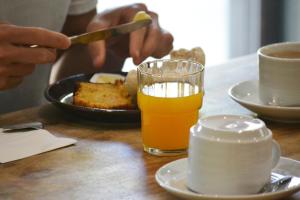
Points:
x=25, y=55
x=152, y=41
x=16, y=70
x=97, y=49
x=147, y=40
x=129, y=12
x=33, y=36
x=9, y=82
x=159, y=42
x=98, y=53
x=136, y=44
x=12, y=75
x=17, y=59
x=165, y=46
x=137, y=37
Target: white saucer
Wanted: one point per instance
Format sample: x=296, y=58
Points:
x=172, y=177
x=246, y=94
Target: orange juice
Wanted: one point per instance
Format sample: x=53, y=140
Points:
x=168, y=111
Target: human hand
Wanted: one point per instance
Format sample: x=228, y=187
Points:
x=140, y=44
x=18, y=59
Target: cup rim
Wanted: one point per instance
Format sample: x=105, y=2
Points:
x=263, y=48
x=166, y=60
x=228, y=116
x=261, y=132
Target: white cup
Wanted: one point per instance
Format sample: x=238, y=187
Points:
x=230, y=155
x=279, y=71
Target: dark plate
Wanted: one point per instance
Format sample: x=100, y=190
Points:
x=61, y=95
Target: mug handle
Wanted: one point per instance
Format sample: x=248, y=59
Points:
x=276, y=152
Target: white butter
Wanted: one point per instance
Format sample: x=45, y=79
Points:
x=106, y=78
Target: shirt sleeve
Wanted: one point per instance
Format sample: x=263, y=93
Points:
x=78, y=7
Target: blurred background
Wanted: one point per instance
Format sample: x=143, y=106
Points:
x=225, y=29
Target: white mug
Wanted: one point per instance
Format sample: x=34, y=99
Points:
x=279, y=72
x=230, y=155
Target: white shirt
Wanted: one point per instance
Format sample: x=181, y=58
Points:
x=50, y=14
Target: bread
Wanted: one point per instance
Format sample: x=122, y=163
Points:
x=195, y=54
x=131, y=84
x=102, y=95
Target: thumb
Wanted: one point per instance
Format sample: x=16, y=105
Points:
x=98, y=53
x=97, y=49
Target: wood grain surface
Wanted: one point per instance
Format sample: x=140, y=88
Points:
x=108, y=161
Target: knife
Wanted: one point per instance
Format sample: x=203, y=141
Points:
x=109, y=32
x=22, y=126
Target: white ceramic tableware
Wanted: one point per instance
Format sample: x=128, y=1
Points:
x=246, y=94
x=230, y=155
x=279, y=71
x=173, y=177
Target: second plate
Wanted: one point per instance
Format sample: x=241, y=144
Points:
x=246, y=94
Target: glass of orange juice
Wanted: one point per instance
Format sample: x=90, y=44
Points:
x=169, y=95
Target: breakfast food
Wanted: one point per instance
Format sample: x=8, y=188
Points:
x=114, y=91
x=131, y=84
x=195, y=54
x=102, y=95
x=106, y=78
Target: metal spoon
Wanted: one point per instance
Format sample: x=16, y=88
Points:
x=276, y=185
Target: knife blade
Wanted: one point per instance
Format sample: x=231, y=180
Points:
x=110, y=32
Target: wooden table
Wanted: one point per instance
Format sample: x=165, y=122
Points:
x=108, y=161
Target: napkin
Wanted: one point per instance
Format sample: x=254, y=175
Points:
x=22, y=144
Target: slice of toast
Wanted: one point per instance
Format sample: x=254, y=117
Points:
x=102, y=95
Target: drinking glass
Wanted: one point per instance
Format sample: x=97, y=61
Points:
x=170, y=94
